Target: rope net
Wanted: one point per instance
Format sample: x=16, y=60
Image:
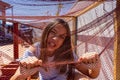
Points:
x=94, y=32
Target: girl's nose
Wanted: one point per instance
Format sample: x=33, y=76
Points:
x=55, y=38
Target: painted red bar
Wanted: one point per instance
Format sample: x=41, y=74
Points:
x=15, y=40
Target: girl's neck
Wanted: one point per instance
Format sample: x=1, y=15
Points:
x=50, y=53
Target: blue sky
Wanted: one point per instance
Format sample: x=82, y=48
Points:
x=24, y=8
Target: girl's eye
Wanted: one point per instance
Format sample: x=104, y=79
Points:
x=52, y=32
x=62, y=36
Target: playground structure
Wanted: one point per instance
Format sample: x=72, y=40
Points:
x=94, y=27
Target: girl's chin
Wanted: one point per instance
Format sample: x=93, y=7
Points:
x=51, y=49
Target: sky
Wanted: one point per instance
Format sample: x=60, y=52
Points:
x=37, y=7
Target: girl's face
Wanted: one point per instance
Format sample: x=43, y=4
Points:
x=56, y=37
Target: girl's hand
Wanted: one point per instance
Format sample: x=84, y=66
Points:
x=89, y=58
x=28, y=67
x=23, y=73
x=90, y=64
x=30, y=62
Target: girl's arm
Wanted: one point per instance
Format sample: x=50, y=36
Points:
x=27, y=65
x=22, y=73
x=89, y=65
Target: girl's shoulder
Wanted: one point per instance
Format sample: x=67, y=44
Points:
x=34, y=49
x=36, y=44
x=37, y=49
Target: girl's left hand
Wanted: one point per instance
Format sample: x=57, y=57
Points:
x=90, y=64
x=89, y=58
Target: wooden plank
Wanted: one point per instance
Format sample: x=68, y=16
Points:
x=89, y=8
x=4, y=5
x=117, y=43
x=34, y=17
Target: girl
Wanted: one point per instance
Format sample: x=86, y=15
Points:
x=54, y=58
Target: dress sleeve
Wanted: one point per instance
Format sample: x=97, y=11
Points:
x=29, y=53
x=75, y=56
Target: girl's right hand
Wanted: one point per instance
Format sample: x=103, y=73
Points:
x=28, y=67
x=23, y=73
x=30, y=62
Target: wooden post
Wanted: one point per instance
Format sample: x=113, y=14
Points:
x=74, y=35
x=90, y=7
x=15, y=39
x=3, y=22
x=117, y=43
x=3, y=7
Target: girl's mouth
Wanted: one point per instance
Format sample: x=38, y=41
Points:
x=51, y=44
